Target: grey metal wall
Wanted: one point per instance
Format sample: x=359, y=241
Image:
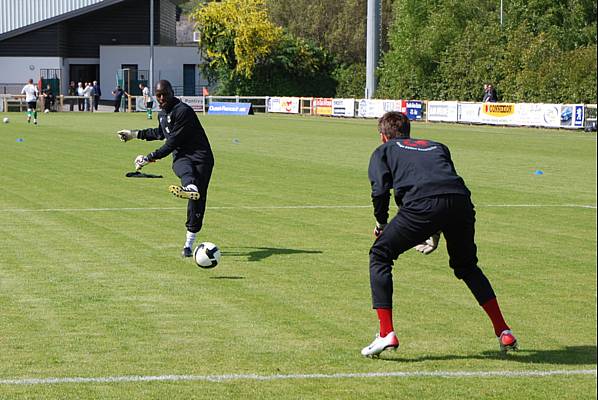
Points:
x=15, y=14
x=124, y=23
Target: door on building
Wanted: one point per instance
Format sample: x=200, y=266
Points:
x=84, y=72
x=189, y=80
x=130, y=79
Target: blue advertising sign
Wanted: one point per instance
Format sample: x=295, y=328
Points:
x=223, y=108
x=572, y=115
x=578, y=116
x=413, y=109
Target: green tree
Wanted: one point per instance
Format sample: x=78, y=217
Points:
x=247, y=54
x=235, y=35
x=446, y=49
x=340, y=28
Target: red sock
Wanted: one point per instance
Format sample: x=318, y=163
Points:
x=385, y=318
x=493, y=310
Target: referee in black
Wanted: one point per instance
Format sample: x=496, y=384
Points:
x=431, y=198
x=192, y=158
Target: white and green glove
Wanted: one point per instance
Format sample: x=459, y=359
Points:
x=429, y=245
x=378, y=229
x=126, y=134
x=141, y=161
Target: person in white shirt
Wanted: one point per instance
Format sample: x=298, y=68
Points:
x=31, y=94
x=148, y=100
x=87, y=94
x=80, y=94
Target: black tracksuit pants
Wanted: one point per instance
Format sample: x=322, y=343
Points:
x=198, y=174
x=415, y=222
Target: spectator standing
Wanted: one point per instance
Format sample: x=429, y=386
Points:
x=72, y=91
x=80, y=89
x=493, y=96
x=87, y=95
x=49, y=98
x=97, y=93
x=118, y=94
x=489, y=94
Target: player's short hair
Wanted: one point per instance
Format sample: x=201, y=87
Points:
x=394, y=124
x=30, y=81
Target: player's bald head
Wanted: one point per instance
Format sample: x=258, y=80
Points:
x=164, y=93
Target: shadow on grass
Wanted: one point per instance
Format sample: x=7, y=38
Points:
x=569, y=355
x=232, y=278
x=260, y=253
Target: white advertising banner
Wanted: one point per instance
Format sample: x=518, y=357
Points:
x=469, y=112
x=197, y=103
x=374, y=108
x=140, y=104
x=530, y=114
x=524, y=114
x=343, y=107
x=443, y=111
x=287, y=105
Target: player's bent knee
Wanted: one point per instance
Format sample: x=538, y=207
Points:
x=465, y=272
x=380, y=256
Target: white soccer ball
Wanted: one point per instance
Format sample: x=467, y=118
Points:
x=46, y=110
x=206, y=255
x=6, y=120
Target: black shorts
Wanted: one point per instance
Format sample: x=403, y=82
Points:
x=149, y=105
x=32, y=104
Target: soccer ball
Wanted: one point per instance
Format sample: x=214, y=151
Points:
x=46, y=110
x=206, y=255
x=6, y=120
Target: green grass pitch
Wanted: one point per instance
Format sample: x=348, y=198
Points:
x=92, y=285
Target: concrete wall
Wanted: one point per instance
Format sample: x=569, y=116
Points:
x=20, y=69
x=168, y=63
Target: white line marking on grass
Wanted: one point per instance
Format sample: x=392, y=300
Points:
x=255, y=377
x=540, y=205
x=298, y=207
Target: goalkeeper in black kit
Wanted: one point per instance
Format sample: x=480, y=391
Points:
x=192, y=158
x=432, y=199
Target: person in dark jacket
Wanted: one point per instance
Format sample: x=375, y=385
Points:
x=192, y=158
x=432, y=199
x=118, y=94
x=97, y=93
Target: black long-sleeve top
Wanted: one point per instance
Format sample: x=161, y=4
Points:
x=414, y=169
x=185, y=137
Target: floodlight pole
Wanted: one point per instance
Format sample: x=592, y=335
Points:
x=501, y=13
x=151, y=47
x=372, y=47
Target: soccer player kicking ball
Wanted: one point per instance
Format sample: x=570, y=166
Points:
x=192, y=158
x=432, y=199
x=31, y=94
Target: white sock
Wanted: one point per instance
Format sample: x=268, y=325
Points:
x=190, y=239
x=192, y=187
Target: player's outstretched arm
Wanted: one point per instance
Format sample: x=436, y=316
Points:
x=126, y=134
x=429, y=245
